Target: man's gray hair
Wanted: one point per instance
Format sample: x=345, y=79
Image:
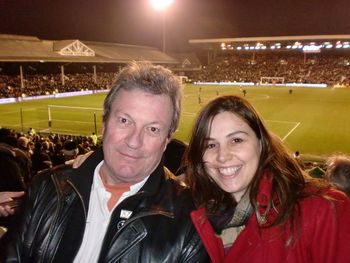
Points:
x=152, y=79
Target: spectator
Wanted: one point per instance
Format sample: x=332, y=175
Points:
x=255, y=202
x=40, y=159
x=9, y=145
x=12, y=171
x=338, y=172
x=31, y=131
x=296, y=155
x=94, y=138
x=173, y=156
x=58, y=157
x=23, y=144
x=12, y=185
x=119, y=205
x=70, y=151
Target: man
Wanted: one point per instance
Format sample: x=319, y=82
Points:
x=70, y=151
x=120, y=205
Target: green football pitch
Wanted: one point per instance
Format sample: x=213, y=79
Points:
x=314, y=121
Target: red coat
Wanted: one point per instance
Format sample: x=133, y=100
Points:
x=324, y=236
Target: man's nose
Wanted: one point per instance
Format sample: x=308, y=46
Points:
x=135, y=138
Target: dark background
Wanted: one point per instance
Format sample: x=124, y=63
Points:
x=135, y=22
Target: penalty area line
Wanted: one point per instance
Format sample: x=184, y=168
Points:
x=296, y=126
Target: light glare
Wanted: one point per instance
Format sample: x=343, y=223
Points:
x=161, y=4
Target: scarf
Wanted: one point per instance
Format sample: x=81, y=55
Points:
x=230, y=224
x=235, y=217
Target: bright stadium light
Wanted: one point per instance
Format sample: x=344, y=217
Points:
x=162, y=5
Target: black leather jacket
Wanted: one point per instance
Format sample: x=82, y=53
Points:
x=55, y=211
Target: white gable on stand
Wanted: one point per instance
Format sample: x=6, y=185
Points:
x=185, y=63
x=77, y=48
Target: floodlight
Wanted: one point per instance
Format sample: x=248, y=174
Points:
x=161, y=4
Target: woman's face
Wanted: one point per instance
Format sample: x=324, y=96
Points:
x=232, y=153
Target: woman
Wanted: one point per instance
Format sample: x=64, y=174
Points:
x=255, y=202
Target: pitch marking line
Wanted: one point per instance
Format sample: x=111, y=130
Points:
x=70, y=121
x=296, y=126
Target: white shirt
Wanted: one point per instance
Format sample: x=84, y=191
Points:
x=98, y=218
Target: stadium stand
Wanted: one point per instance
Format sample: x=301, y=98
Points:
x=330, y=69
x=30, y=66
x=296, y=59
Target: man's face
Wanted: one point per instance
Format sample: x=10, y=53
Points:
x=135, y=135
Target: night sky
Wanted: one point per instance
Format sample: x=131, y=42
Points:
x=135, y=22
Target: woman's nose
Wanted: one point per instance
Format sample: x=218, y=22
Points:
x=224, y=154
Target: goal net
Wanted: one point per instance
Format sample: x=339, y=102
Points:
x=74, y=120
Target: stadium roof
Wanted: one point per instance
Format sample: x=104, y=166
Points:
x=336, y=41
x=14, y=48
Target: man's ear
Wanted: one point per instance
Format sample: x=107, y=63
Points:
x=167, y=140
x=103, y=127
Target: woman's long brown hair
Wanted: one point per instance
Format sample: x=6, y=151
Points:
x=289, y=180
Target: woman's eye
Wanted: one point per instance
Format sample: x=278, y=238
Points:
x=210, y=145
x=237, y=140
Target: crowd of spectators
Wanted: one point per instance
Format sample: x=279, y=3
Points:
x=293, y=67
x=38, y=151
x=23, y=155
x=45, y=84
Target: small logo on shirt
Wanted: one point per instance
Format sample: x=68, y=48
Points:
x=125, y=214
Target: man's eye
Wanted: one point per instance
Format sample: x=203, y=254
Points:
x=123, y=120
x=154, y=130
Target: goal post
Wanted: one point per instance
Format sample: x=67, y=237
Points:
x=74, y=120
